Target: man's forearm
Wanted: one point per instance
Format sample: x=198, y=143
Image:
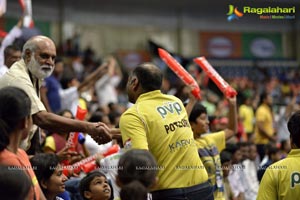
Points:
x=49, y=121
x=53, y=122
x=232, y=117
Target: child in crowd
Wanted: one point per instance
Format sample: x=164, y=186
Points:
x=225, y=158
x=285, y=148
x=273, y=156
x=95, y=186
x=250, y=173
x=236, y=178
x=137, y=171
x=56, y=143
x=49, y=175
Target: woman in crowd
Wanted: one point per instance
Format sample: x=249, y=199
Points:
x=15, y=124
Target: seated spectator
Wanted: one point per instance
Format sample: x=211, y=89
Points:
x=285, y=148
x=14, y=184
x=49, y=175
x=95, y=186
x=137, y=171
x=250, y=174
x=15, y=124
x=56, y=143
x=90, y=144
x=235, y=177
x=273, y=156
x=225, y=158
x=266, y=156
x=244, y=148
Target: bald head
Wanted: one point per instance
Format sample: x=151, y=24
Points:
x=149, y=75
x=38, y=42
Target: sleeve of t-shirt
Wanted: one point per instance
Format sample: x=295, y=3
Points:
x=267, y=187
x=49, y=143
x=218, y=138
x=133, y=131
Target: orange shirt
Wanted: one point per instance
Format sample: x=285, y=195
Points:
x=20, y=161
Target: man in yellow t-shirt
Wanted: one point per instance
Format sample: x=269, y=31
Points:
x=282, y=179
x=264, y=131
x=210, y=145
x=246, y=113
x=159, y=123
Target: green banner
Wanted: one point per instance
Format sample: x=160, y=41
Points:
x=262, y=45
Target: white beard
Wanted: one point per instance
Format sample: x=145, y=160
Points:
x=39, y=71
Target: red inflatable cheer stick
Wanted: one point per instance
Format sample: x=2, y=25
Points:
x=73, y=138
x=227, y=90
x=180, y=72
x=88, y=164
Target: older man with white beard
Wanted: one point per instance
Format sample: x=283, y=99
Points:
x=37, y=63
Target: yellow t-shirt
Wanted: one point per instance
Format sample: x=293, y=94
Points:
x=263, y=114
x=50, y=143
x=209, y=148
x=282, y=179
x=247, y=113
x=159, y=123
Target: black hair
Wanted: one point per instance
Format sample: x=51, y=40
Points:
x=243, y=144
x=263, y=96
x=283, y=144
x=97, y=117
x=67, y=77
x=15, y=105
x=231, y=148
x=294, y=128
x=14, y=184
x=268, y=146
x=225, y=156
x=197, y=110
x=272, y=151
x=9, y=48
x=149, y=76
x=44, y=165
x=58, y=60
x=134, y=190
x=113, y=116
x=62, y=112
x=86, y=182
x=137, y=171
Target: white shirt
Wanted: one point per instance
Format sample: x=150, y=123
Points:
x=14, y=33
x=93, y=147
x=3, y=70
x=235, y=178
x=109, y=165
x=69, y=99
x=106, y=89
x=250, y=175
